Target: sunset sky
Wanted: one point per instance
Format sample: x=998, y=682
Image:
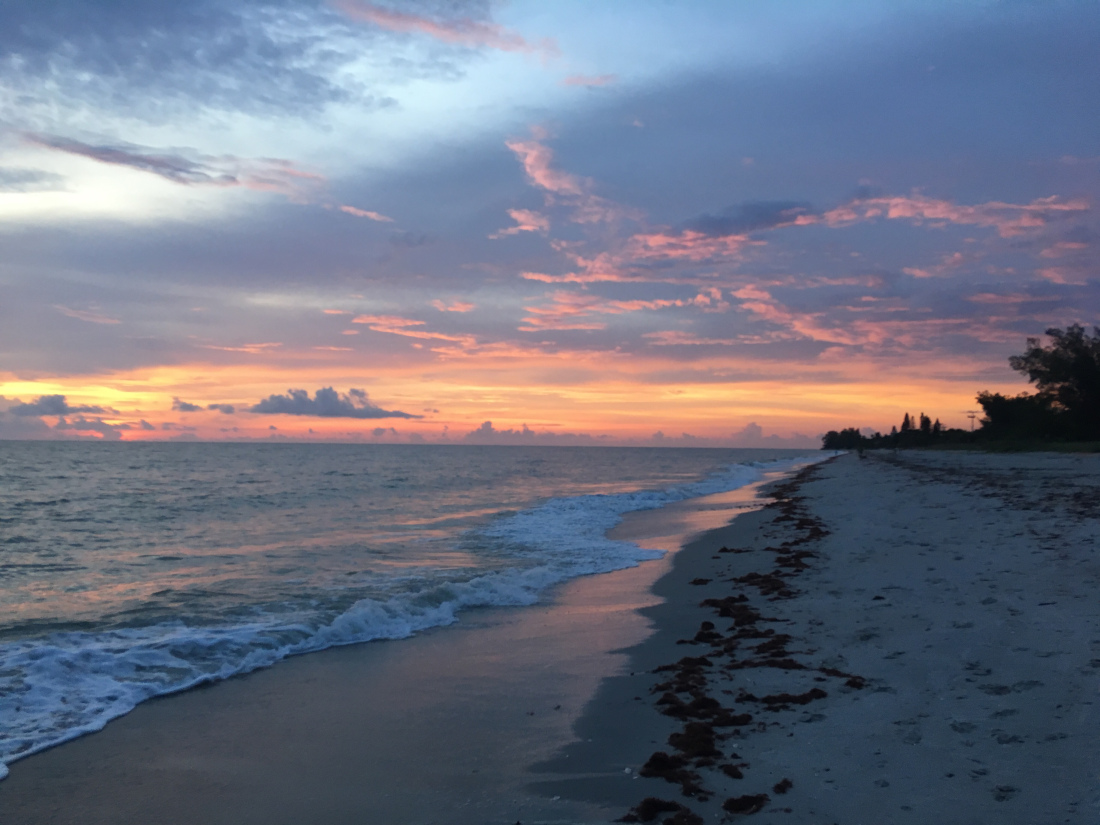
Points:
x=634, y=221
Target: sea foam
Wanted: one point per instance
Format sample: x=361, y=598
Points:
x=67, y=684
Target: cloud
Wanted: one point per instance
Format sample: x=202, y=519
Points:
x=750, y=217
x=454, y=306
x=183, y=406
x=487, y=434
x=366, y=213
x=264, y=174
x=396, y=325
x=155, y=58
x=52, y=405
x=29, y=180
x=108, y=432
x=85, y=315
x=567, y=306
x=526, y=221
x=459, y=32
x=537, y=157
x=589, y=80
x=326, y=403
x=1009, y=219
x=752, y=435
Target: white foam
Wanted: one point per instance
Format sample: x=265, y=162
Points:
x=69, y=684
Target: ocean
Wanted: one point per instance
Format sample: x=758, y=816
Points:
x=129, y=571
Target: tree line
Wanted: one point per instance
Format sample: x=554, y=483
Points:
x=1064, y=408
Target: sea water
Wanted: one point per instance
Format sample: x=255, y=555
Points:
x=129, y=571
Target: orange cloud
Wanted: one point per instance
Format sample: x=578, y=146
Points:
x=460, y=32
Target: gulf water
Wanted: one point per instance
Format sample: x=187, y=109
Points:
x=129, y=571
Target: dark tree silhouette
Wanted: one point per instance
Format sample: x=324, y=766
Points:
x=1067, y=376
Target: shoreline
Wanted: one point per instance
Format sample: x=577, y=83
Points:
x=447, y=720
x=898, y=639
x=914, y=637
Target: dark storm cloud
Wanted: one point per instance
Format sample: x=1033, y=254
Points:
x=749, y=217
x=52, y=405
x=28, y=180
x=326, y=403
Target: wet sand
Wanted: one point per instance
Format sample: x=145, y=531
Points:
x=440, y=728
x=906, y=638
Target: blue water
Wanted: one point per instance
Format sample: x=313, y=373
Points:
x=132, y=570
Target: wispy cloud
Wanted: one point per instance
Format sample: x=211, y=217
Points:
x=527, y=220
x=1008, y=219
x=86, y=315
x=366, y=213
x=462, y=31
x=261, y=174
x=453, y=306
x=408, y=328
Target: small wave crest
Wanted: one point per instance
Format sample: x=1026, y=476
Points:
x=61, y=686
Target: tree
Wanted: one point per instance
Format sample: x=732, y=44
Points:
x=925, y=424
x=906, y=424
x=1021, y=417
x=1067, y=376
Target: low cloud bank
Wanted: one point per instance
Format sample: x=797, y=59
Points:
x=326, y=403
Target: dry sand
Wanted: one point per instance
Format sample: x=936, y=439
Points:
x=936, y=660
x=915, y=636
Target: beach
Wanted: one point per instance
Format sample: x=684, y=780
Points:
x=900, y=638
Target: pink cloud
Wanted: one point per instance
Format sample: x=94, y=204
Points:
x=572, y=190
x=526, y=220
x=1009, y=219
x=366, y=213
x=1062, y=248
x=460, y=32
x=567, y=306
x=589, y=80
x=688, y=245
x=1064, y=275
x=397, y=325
x=454, y=306
x=536, y=158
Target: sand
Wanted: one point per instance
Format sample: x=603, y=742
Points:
x=915, y=636
x=947, y=614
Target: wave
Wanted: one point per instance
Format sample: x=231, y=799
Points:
x=67, y=684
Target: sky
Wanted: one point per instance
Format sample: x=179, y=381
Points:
x=467, y=221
